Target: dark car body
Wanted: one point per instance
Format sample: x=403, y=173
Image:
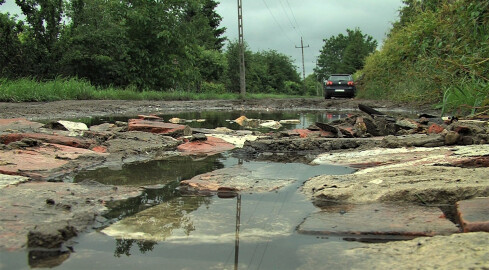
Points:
x=339, y=85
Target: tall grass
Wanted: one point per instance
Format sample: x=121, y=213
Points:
x=30, y=90
x=469, y=97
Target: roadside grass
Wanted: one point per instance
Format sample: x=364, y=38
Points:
x=30, y=90
x=469, y=97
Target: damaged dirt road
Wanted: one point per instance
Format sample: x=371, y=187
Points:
x=400, y=161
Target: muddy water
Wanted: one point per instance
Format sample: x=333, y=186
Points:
x=215, y=119
x=200, y=232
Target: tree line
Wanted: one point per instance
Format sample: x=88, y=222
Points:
x=169, y=45
x=146, y=44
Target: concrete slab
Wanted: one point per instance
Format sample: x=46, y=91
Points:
x=474, y=214
x=378, y=219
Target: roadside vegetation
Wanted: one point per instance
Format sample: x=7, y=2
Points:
x=437, y=53
x=131, y=49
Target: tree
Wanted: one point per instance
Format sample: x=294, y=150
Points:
x=344, y=54
x=11, y=61
x=44, y=20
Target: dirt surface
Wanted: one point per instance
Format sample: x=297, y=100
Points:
x=85, y=108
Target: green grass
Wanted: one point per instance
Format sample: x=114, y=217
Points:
x=29, y=90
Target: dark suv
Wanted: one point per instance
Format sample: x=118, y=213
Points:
x=339, y=85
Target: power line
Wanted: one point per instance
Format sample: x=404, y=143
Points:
x=296, y=23
x=288, y=17
x=275, y=19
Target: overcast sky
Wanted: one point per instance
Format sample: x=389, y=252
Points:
x=279, y=24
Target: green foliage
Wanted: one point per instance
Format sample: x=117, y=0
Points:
x=11, y=53
x=436, y=48
x=468, y=97
x=344, y=54
x=313, y=86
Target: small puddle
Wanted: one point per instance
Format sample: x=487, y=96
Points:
x=226, y=119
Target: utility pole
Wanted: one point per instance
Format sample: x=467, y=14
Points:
x=303, y=68
x=242, y=70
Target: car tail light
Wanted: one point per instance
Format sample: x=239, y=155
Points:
x=351, y=83
x=329, y=83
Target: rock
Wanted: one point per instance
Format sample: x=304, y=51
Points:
x=47, y=138
x=416, y=140
x=240, y=120
x=457, y=251
x=149, y=117
x=25, y=212
x=45, y=161
x=154, y=127
x=176, y=120
x=290, y=122
x=50, y=235
x=238, y=140
x=18, y=125
x=407, y=123
x=474, y=214
x=237, y=178
x=452, y=138
x=271, y=124
x=7, y=180
x=425, y=175
x=198, y=137
x=435, y=129
x=211, y=146
x=377, y=220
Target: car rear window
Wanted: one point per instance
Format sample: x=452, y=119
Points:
x=339, y=78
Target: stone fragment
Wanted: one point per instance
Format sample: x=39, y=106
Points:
x=154, y=126
x=240, y=120
x=407, y=124
x=149, y=117
x=290, y=122
x=7, y=180
x=271, y=124
x=211, y=146
x=435, y=129
x=474, y=214
x=452, y=138
x=50, y=235
x=48, y=138
x=176, y=120
x=18, y=125
x=372, y=220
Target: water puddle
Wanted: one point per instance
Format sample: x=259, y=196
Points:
x=213, y=119
x=166, y=228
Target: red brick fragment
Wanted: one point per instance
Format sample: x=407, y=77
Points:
x=474, y=214
x=435, y=129
x=153, y=126
x=209, y=147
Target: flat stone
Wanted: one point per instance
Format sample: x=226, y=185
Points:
x=7, y=180
x=237, y=178
x=154, y=126
x=48, y=208
x=211, y=146
x=48, y=138
x=18, y=125
x=474, y=214
x=423, y=175
x=377, y=219
x=40, y=162
x=454, y=252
